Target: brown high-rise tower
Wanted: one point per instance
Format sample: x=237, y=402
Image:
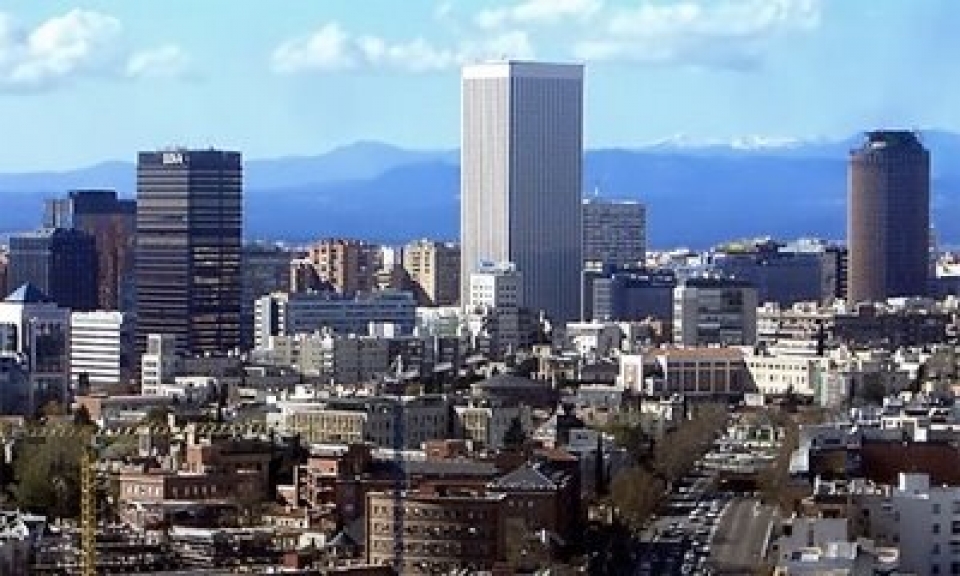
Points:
x=888, y=217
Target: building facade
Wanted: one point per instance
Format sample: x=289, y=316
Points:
x=101, y=350
x=497, y=318
x=437, y=533
x=348, y=266
x=189, y=231
x=38, y=329
x=888, y=217
x=433, y=269
x=112, y=222
x=284, y=314
x=265, y=268
x=521, y=178
x=714, y=311
x=60, y=262
x=614, y=232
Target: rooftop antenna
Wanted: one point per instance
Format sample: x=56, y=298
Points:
x=596, y=191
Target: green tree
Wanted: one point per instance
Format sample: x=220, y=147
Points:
x=47, y=476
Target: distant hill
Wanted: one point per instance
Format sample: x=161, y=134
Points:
x=697, y=193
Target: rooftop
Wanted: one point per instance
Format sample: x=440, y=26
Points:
x=28, y=294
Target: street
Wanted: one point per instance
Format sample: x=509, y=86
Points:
x=738, y=541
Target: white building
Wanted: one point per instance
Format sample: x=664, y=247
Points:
x=922, y=520
x=778, y=374
x=521, y=178
x=379, y=420
x=34, y=326
x=340, y=359
x=597, y=339
x=441, y=321
x=819, y=546
x=159, y=364
x=100, y=344
x=496, y=316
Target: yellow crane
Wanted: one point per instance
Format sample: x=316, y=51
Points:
x=89, y=435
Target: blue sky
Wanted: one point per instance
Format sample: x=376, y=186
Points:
x=80, y=83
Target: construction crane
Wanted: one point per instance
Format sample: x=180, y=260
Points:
x=89, y=435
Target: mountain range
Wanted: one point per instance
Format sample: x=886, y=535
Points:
x=697, y=193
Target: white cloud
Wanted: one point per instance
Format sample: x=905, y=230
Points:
x=729, y=33
x=167, y=61
x=331, y=48
x=326, y=49
x=58, y=48
x=538, y=12
x=79, y=42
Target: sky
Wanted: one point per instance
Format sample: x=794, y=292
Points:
x=83, y=83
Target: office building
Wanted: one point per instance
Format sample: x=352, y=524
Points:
x=433, y=269
x=101, y=350
x=888, y=218
x=715, y=311
x=625, y=294
x=38, y=329
x=112, y=222
x=285, y=314
x=614, y=232
x=265, y=268
x=521, y=178
x=189, y=230
x=781, y=273
x=60, y=262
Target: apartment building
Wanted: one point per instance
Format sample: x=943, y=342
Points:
x=921, y=519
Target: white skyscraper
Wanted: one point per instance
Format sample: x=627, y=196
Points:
x=521, y=177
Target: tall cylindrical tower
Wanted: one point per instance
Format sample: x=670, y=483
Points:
x=888, y=217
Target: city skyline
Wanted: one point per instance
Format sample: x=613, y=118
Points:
x=791, y=68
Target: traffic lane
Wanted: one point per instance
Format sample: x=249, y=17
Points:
x=738, y=542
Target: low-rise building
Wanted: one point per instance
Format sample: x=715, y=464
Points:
x=485, y=422
x=382, y=421
x=435, y=532
x=921, y=519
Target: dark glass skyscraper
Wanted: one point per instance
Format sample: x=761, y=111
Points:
x=189, y=233
x=62, y=263
x=112, y=223
x=888, y=223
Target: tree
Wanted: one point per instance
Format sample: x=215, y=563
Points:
x=82, y=416
x=635, y=493
x=514, y=437
x=157, y=415
x=47, y=477
x=53, y=409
